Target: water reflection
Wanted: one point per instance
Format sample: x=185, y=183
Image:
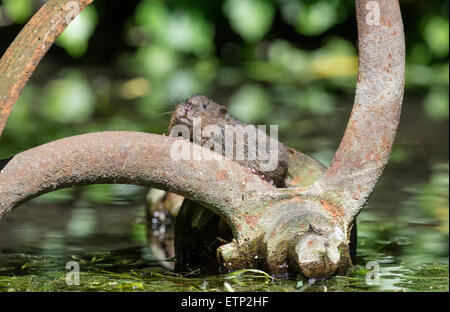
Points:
x=404, y=227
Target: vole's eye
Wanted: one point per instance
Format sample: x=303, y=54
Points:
x=204, y=106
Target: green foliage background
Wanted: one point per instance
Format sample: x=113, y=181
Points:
x=269, y=61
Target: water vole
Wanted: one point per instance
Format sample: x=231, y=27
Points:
x=208, y=115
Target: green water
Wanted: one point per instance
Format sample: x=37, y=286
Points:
x=404, y=228
x=129, y=270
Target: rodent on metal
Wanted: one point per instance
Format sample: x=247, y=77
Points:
x=211, y=113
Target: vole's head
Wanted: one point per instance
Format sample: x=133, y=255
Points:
x=198, y=106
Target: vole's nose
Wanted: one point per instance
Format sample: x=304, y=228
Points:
x=186, y=108
x=188, y=104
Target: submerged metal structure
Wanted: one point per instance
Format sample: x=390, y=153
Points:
x=304, y=229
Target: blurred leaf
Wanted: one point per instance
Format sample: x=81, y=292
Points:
x=336, y=61
x=189, y=32
x=250, y=103
x=152, y=16
x=420, y=53
x=206, y=69
x=68, y=99
x=436, y=35
x=184, y=83
x=18, y=10
x=400, y=154
x=156, y=60
x=135, y=88
x=436, y=103
x=316, y=100
x=334, y=64
x=337, y=46
x=228, y=76
x=290, y=10
x=182, y=30
x=263, y=71
x=316, y=17
x=75, y=37
x=251, y=19
x=20, y=120
x=291, y=59
x=428, y=76
x=419, y=74
x=442, y=73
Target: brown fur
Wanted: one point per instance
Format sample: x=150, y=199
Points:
x=212, y=113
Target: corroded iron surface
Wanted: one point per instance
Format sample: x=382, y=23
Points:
x=198, y=233
x=130, y=158
x=369, y=136
x=300, y=229
x=27, y=50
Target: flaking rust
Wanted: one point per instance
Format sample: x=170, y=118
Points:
x=299, y=229
x=24, y=54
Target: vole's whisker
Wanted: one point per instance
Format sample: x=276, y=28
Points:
x=165, y=113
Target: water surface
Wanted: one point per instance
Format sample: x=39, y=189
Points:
x=403, y=229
